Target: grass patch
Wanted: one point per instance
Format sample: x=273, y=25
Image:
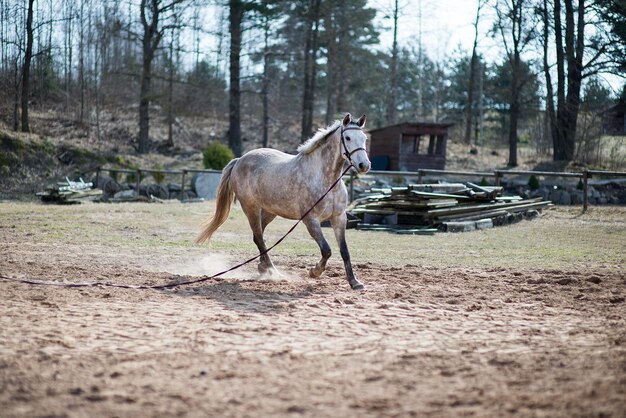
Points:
x=561, y=238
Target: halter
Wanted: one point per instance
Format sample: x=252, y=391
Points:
x=346, y=153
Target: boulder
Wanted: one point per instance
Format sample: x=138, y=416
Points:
x=205, y=184
x=565, y=198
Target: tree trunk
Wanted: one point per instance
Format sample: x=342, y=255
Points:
x=170, y=96
x=515, y=109
x=266, y=82
x=16, y=95
x=150, y=42
x=28, y=54
x=551, y=116
x=310, y=70
x=393, y=93
x=234, y=105
x=574, y=48
x=558, y=154
x=469, y=110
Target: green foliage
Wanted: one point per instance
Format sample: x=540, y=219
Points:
x=114, y=175
x=533, y=182
x=132, y=177
x=216, y=155
x=580, y=185
x=158, y=177
x=483, y=182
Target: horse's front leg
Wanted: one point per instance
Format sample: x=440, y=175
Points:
x=339, y=226
x=315, y=229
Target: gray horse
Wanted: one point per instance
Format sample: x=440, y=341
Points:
x=270, y=183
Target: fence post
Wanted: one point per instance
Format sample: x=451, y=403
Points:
x=182, y=186
x=138, y=182
x=420, y=173
x=97, y=177
x=585, y=190
x=497, y=176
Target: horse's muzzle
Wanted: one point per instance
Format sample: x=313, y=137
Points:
x=363, y=167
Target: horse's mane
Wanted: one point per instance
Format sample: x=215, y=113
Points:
x=318, y=139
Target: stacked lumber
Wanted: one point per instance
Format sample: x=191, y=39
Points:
x=69, y=192
x=427, y=208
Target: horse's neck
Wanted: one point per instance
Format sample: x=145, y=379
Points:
x=328, y=157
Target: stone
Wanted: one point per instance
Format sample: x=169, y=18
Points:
x=484, y=223
x=555, y=196
x=205, y=184
x=460, y=226
x=565, y=198
x=125, y=194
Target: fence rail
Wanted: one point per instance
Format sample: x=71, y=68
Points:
x=183, y=173
x=496, y=174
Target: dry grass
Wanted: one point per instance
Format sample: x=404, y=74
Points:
x=560, y=238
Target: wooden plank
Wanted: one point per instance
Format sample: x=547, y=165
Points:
x=439, y=195
x=470, y=207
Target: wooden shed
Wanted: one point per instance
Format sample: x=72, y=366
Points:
x=409, y=146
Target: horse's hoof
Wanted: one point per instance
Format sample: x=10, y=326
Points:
x=357, y=285
x=314, y=273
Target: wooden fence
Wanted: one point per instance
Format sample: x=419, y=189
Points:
x=496, y=174
x=138, y=171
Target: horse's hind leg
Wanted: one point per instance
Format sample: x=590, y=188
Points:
x=339, y=227
x=257, y=224
x=315, y=229
x=266, y=218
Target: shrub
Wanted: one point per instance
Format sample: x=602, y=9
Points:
x=580, y=185
x=533, y=182
x=216, y=155
x=131, y=178
x=158, y=177
x=483, y=182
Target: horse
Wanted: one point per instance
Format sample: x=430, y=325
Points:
x=269, y=183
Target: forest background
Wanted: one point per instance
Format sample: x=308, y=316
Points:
x=153, y=75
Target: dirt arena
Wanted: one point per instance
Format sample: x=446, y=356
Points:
x=490, y=332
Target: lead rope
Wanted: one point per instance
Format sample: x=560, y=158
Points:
x=184, y=283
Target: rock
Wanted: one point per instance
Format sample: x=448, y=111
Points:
x=155, y=190
x=125, y=194
x=174, y=187
x=565, y=198
x=555, y=196
x=460, y=226
x=205, y=184
x=484, y=224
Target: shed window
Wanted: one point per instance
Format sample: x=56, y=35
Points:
x=411, y=144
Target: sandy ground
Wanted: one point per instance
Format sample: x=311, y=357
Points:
x=421, y=341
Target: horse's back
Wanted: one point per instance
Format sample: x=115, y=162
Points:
x=267, y=178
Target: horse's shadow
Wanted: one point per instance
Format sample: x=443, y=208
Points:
x=259, y=299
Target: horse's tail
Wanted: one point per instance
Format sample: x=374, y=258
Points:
x=225, y=198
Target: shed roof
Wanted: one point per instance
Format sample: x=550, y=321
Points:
x=414, y=125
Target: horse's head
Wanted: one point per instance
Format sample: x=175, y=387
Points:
x=353, y=141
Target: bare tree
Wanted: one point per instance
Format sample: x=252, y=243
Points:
x=153, y=13
x=310, y=68
x=469, y=111
x=28, y=55
x=516, y=33
x=236, y=8
x=392, y=106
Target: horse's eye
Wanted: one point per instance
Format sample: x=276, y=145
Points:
x=347, y=138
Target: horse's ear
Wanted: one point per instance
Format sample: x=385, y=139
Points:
x=361, y=121
x=347, y=119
